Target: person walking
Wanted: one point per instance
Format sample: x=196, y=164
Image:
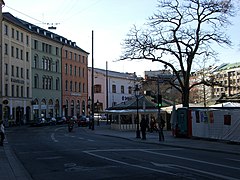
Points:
x=2, y=133
x=143, y=125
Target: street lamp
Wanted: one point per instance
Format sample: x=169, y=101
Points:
x=98, y=112
x=136, y=90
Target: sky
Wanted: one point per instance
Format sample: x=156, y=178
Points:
x=110, y=20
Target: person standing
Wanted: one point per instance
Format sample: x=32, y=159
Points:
x=143, y=125
x=2, y=133
x=161, y=126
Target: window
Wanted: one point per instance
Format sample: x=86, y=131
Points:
x=114, y=88
x=35, y=61
x=75, y=87
x=70, y=70
x=75, y=56
x=97, y=88
x=43, y=64
x=35, y=44
x=6, y=89
x=12, y=51
x=66, y=68
x=57, y=84
x=43, y=82
x=21, y=72
x=129, y=90
x=79, y=72
x=57, y=51
x=17, y=53
x=27, y=39
x=27, y=73
x=83, y=72
x=6, y=69
x=75, y=70
x=122, y=89
x=6, y=30
x=84, y=89
x=79, y=58
x=27, y=91
x=43, y=47
x=35, y=81
x=27, y=56
x=71, y=86
x=71, y=55
x=66, y=54
x=6, y=49
x=17, y=71
x=12, y=33
x=21, y=91
x=17, y=35
x=13, y=94
x=66, y=85
x=17, y=91
x=12, y=70
x=21, y=37
x=79, y=87
x=56, y=67
x=21, y=54
x=83, y=59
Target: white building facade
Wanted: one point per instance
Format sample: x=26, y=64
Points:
x=110, y=87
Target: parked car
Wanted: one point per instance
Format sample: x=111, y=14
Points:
x=83, y=121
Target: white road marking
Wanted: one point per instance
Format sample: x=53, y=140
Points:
x=53, y=137
x=190, y=159
x=199, y=171
x=237, y=160
x=128, y=164
x=50, y=158
x=91, y=140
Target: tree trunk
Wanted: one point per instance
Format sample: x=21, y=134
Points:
x=185, y=97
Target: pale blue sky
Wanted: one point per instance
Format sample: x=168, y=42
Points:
x=111, y=20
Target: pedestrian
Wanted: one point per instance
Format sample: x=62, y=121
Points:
x=161, y=126
x=143, y=125
x=2, y=133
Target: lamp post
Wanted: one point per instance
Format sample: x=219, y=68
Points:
x=136, y=90
x=98, y=112
x=89, y=111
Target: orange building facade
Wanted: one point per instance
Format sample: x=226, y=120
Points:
x=74, y=80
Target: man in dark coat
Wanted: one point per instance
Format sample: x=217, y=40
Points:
x=144, y=126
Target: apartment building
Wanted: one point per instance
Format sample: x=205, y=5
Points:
x=16, y=71
x=110, y=87
x=43, y=74
x=228, y=75
x=74, y=79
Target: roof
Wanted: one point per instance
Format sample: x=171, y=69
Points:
x=230, y=66
x=143, y=103
x=130, y=76
x=40, y=31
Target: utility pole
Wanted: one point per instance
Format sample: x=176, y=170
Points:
x=92, y=89
x=107, y=88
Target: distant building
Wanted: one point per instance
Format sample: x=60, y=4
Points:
x=120, y=87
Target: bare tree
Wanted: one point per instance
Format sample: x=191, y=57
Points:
x=179, y=34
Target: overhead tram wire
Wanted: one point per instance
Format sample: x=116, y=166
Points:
x=41, y=22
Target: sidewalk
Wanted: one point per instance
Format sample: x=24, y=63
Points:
x=12, y=169
x=192, y=143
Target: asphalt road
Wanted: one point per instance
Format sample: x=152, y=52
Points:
x=51, y=152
